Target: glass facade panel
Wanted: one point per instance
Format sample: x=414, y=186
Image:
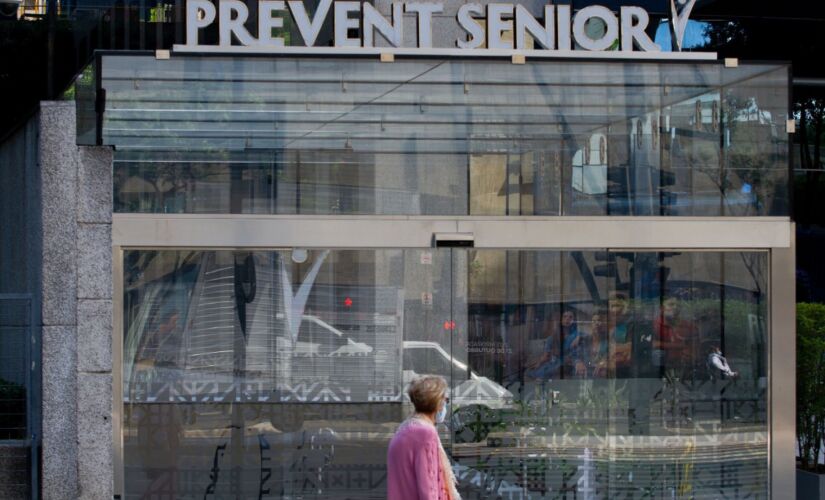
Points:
x=445, y=137
x=601, y=374
x=274, y=373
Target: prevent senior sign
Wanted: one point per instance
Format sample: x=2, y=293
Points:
x=557, y=33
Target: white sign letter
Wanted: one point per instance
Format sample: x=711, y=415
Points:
x=495, y=25
x=424, y=16
x=611, y=32
x=466, y=21
x=309, y=29
x=233, y=26
x=193, y=20
x=544, y=35
x=565, y=42
x=266, y=22
x=373, y=20
x=343, y=23
x=680, y=19
x=634, y=22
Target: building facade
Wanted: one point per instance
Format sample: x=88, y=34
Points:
x=243, y=259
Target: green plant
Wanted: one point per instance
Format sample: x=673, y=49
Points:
x=810, y=382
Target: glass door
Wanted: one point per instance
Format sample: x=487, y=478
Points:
x=594, y=374
x=612, y=374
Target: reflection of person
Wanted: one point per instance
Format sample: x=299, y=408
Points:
x=417, y=465
x=570, y=342
x=674, y=338
x=718, y=364
x=549, y=364
x=593, y=349
x=560, y=351
x=631, y=342
x=620, y=342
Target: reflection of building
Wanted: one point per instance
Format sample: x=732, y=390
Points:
x=272, y=271
x=496, y=313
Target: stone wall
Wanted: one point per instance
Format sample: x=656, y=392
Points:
x=76, y=288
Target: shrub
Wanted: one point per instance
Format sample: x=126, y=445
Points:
x=810, y=382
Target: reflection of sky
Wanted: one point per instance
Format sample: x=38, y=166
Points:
x=694, y=35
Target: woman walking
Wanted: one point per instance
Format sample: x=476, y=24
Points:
x=417, y=466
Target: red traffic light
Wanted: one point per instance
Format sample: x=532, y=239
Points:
x=449, y=325
x=347, y=302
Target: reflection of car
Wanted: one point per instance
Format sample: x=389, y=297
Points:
x=469, y=388
x=324, y=363
x=316, y=334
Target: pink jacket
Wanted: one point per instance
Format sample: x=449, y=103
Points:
x=414, y=465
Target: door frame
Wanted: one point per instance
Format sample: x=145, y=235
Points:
x=772, y=234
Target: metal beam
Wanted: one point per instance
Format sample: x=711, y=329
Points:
x=782, y=371
x=268, y=231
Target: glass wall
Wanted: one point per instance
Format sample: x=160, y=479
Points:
x=594, y=374
x=446, y=137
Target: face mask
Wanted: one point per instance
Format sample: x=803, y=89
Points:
x=442, y=414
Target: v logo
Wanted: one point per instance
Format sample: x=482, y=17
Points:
x=294, y=305
x=680, y=14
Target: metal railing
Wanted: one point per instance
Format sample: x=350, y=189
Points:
x=153, y=11
x=18, y=389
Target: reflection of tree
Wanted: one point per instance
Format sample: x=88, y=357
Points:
x=811, y=115
x=739, y=162
x=167, y=180
x=809, y=188
x=810, y=384
x=754, y=263
x=756, y=143
x=744, y=38
x=730, y=34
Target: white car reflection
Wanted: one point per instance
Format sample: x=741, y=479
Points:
x=350, y=348
x=422, y=357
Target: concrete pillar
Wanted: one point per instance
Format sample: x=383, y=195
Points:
x=76, y=218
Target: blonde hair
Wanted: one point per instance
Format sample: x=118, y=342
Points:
x=426, y=392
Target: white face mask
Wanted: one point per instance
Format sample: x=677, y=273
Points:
x=442, y=414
